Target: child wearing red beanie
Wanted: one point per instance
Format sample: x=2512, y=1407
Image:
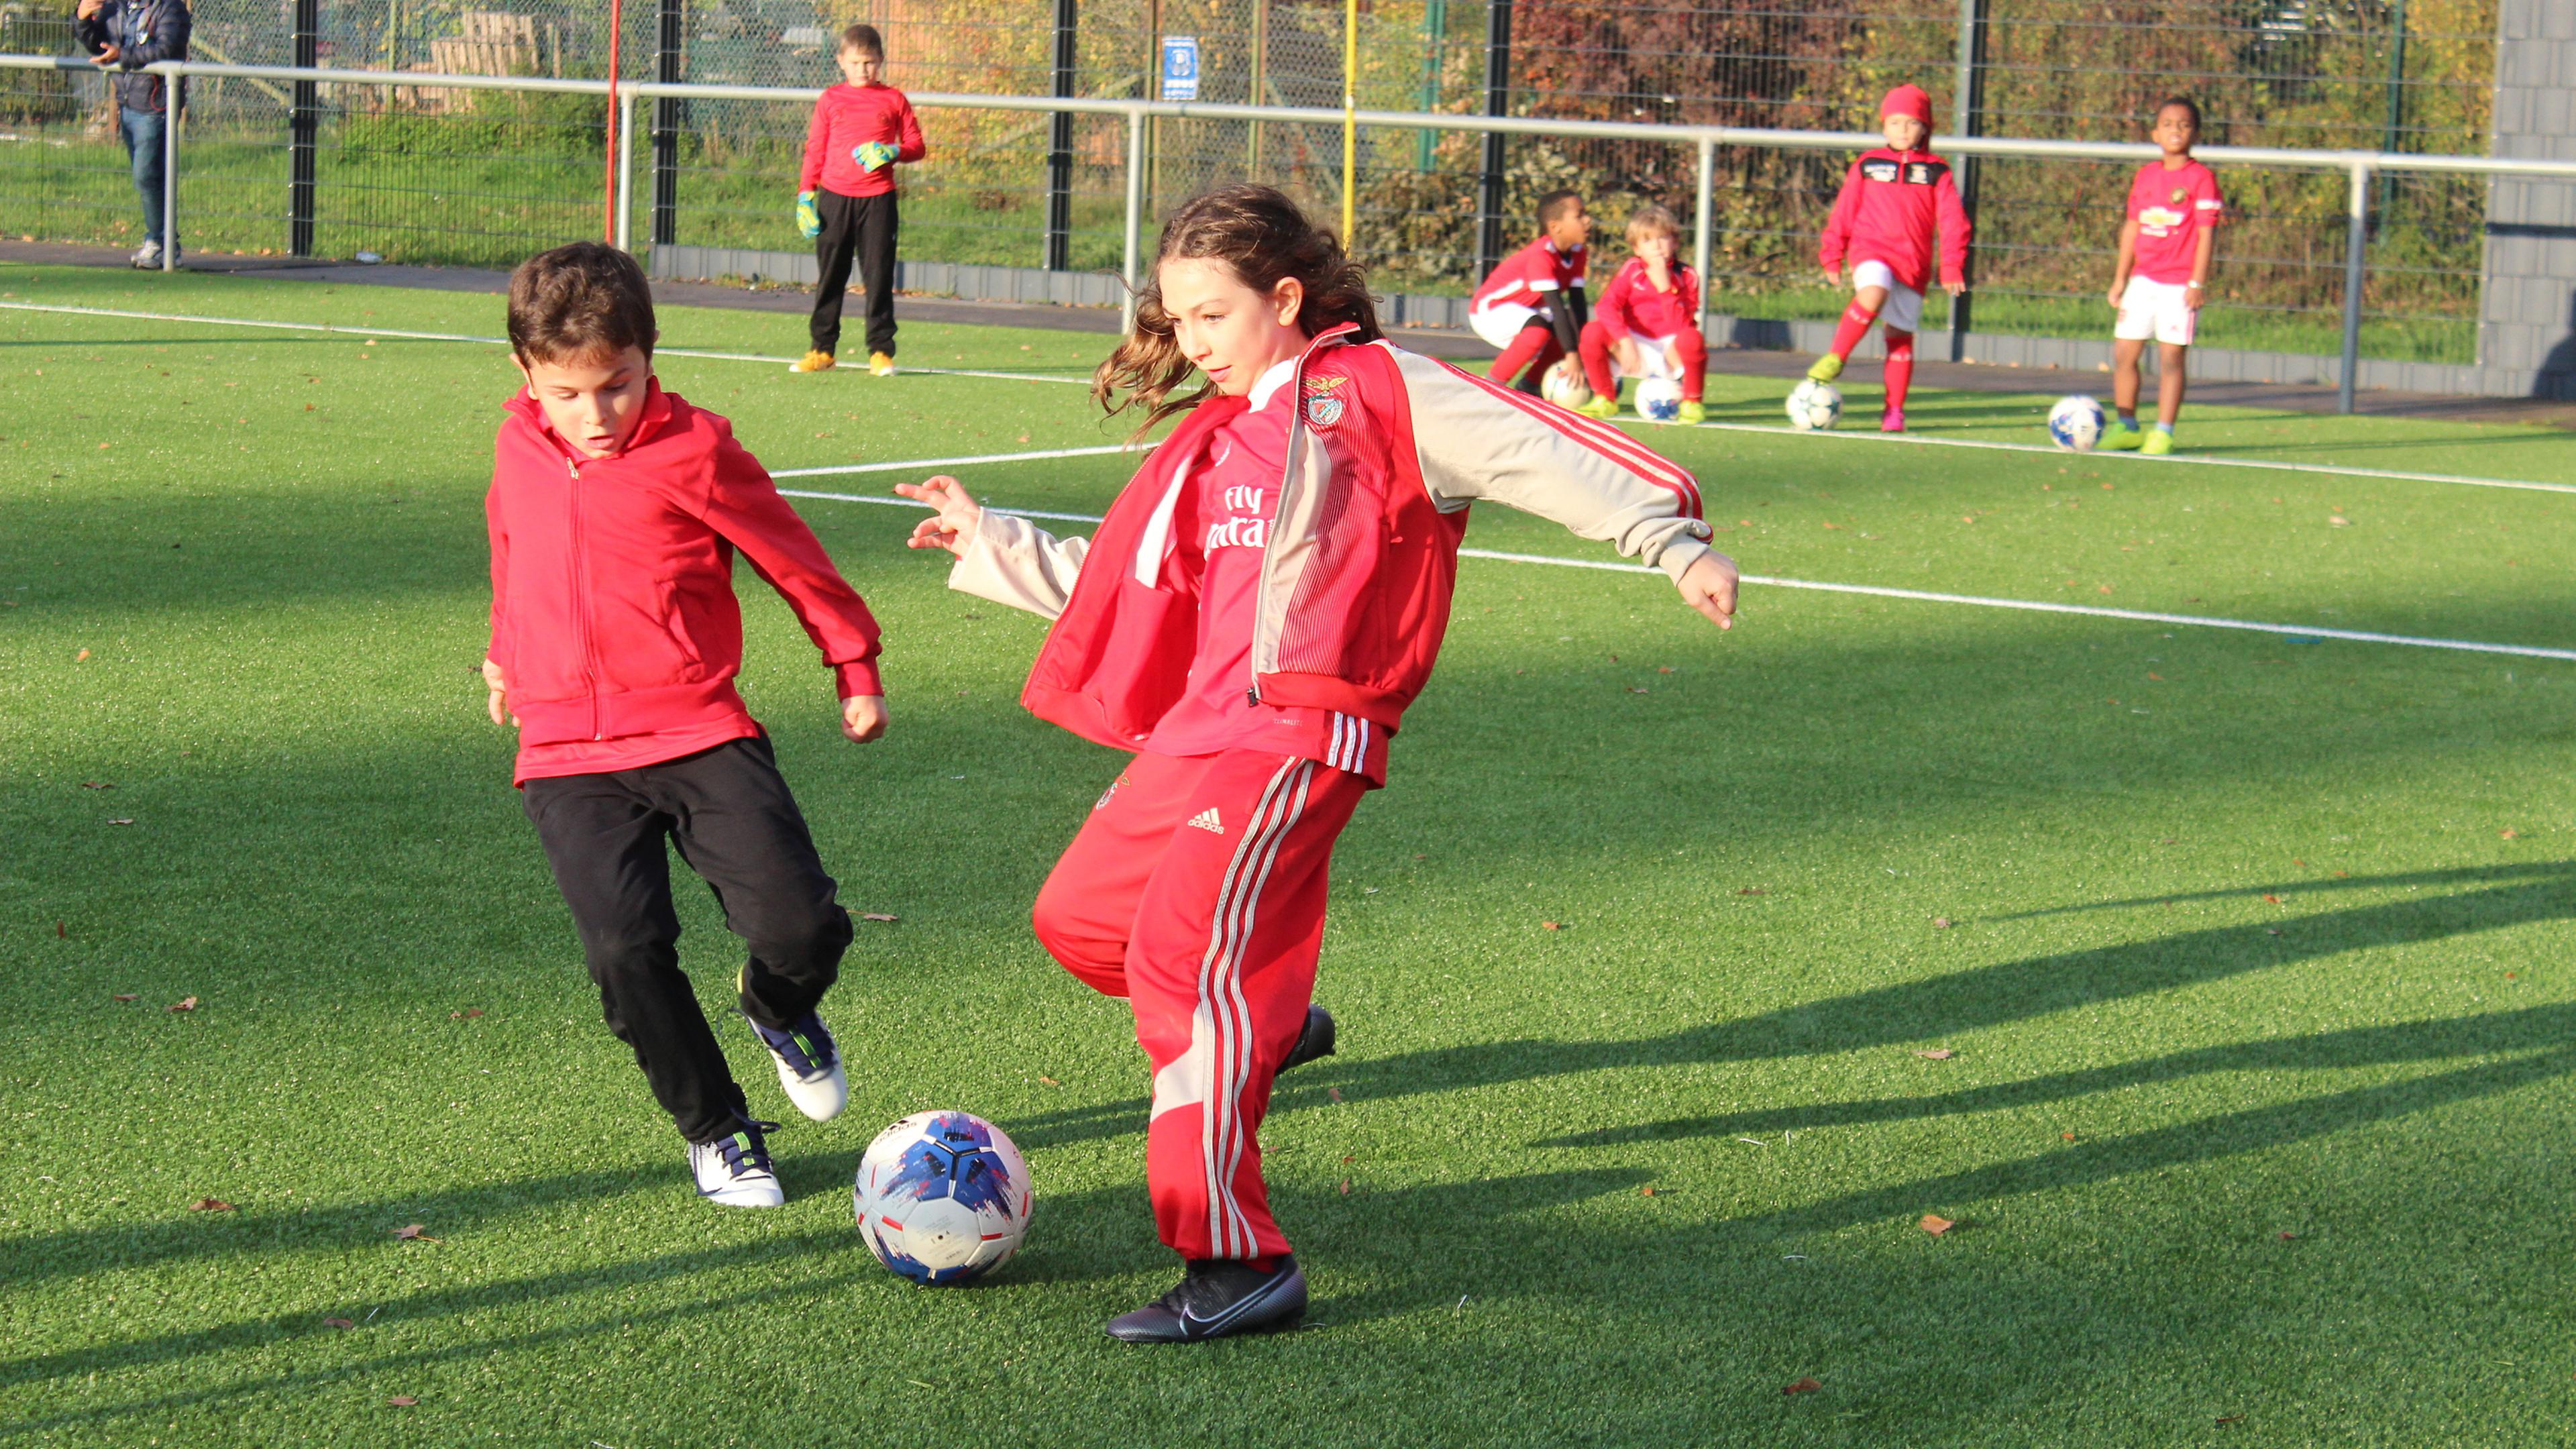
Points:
x=1883, y=222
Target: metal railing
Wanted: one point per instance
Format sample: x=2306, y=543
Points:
x=2359, y=168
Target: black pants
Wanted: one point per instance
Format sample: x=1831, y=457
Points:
x=864, y=225
x=734, y=823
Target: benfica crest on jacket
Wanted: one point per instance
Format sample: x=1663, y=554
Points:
x=1324, y=402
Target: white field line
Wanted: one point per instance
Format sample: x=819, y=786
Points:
x=1923, y=596
x=355, y=331
x=917, y=464
x=2263, y=464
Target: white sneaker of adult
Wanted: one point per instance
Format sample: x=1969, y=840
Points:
x=809, y=1066
x=734, y=1169
x=147, y=255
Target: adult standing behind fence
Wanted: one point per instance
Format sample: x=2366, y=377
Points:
x=128, y=35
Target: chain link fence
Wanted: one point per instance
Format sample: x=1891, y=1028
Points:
x=484, y=177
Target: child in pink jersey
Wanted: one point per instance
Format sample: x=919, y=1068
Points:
x=2162, y=276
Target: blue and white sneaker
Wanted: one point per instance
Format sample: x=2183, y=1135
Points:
x=734, y=1169
x=809, y=1066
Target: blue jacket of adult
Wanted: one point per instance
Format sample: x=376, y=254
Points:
x=142, y=31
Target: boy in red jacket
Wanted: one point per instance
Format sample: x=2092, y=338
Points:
x=1531, y=306
x=2162, y=276
x=860, y=132
x=1648, y=325
x=615, y=513
x=1891, y=201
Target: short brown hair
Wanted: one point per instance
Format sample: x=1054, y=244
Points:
x=1652, y=220
x=864, y=39
x=584, y=300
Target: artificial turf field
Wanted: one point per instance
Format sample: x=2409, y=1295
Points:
x=2263, y=1040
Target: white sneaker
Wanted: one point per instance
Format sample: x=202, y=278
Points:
x=809, y=1066
x=734, y=1169
x=147, y=256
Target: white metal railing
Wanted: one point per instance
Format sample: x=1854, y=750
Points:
x=2359, y=167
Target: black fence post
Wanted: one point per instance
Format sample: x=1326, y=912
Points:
x=668, y=117
x=1491, y=240
x=1059, y=215
x=304, y=123
x=1969, y=114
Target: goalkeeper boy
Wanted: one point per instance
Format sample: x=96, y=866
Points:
x=861, y=131
x=1883, y=222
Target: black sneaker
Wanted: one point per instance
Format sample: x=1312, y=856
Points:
x=1217, y=1298
x=1314, y=1040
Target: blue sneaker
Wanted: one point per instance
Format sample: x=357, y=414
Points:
x=734, y=1169
x=809, y=1066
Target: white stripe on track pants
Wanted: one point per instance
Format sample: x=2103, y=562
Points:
x=1196, y=890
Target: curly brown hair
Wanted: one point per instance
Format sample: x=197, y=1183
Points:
x=1266, y=240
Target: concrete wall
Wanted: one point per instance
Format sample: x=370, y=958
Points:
x=2527, y=316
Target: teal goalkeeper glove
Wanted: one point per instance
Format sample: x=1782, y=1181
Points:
x=874, y=155
x=808, y=220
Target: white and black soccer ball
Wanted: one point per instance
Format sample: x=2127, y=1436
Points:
x=1659, y=398
x=943, y=1197
x=1814, y=406
x=1564, y=384
x=2075, y=423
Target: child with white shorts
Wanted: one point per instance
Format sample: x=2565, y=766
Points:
x=2162, y=276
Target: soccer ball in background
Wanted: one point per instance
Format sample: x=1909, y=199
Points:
x=943, y=1197
x=1659, y=398
x=1814, y=406
x=1564, y=384
x=2075, y=424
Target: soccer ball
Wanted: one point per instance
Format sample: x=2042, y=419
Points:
x=1564, y=384
x=1814, y=406
x=2075, y=424
x=1659, y=398
x=942, y=1197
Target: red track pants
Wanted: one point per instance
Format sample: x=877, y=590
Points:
x=1196, y=890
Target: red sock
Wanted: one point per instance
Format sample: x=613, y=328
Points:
x=1900, y=367
x=1527, y=343
x=1855, y=325
x=1694, y=351
x=1596, y=359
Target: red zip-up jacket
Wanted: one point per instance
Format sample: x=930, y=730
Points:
x=613, y=611
x=1890, y=203
x=847, y=117
x=1630, y=305
x=1387, y=451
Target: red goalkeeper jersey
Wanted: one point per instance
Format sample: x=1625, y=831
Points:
x=1890, y=206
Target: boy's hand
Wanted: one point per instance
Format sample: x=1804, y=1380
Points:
x=2118, y=290
x=2194, y=295
x=863, y=718
x=874, y=155
x=1708, y=585
x=808, y=220
x=1954, y=288
x=954, y=526
x=496, y=700
x=1833, y=276
x=1628, y=362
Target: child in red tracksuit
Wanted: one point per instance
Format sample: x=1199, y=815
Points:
x=1249, y=623
x=1892, y=200
x=1648, y=322
x=615, y=514
x=1531, y=305
x=861, y=131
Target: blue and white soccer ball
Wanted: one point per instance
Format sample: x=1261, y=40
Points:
x=1659, y=398
x=1814, y=406
x=943, y=1197
x=2075, y=424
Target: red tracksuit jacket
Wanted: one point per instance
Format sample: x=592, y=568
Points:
x=1630, y=305
x=1387, y=452
x=1890, y=203
x=613, y=612
x=845, y=118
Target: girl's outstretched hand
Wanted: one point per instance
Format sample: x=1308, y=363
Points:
x=1708, y=585
x=953, y=526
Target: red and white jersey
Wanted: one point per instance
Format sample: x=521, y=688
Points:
x=1220, y=527
x=2172, y=207
x=1631, y=307
x=1526, y=277
x=1891, y=204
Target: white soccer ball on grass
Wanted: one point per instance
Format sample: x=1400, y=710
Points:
x=1659, y=398
x=1814, y=406
x=943, y=1197
x=1564, y=384
x=2075, y=423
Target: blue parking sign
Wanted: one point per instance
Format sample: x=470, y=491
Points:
x=1180, y=67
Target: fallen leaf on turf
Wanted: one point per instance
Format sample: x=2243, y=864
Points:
x=1936, y=1054
x=1663, y=669
x=125, y=996
x=1333, y=1092
x=1050, y=1081
x=461, y=1015
x=97, y=785
x=402, y=1401
x=2509, y=834
x=1940, y=923
x=2232, y=1418
x=187, y=1004
x=413, y=1233
x=1935, y=1224
x=2269, y=931
x=2158, y=678
x=339, y=1323
x=77, y=658
x=875, y=916
x=2509, y=976
x=210, y=1205
x=2340, y=522
x=1347, y=1161
x=1647, y=1191
x=122, y=820
x=2276, y=900
x=2287, y=1236
x=2069, y=1136
x=1750, y=891
x=1346, y=1187
x=1549, y=926
x=1803, y=1386
x=1633, y=689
